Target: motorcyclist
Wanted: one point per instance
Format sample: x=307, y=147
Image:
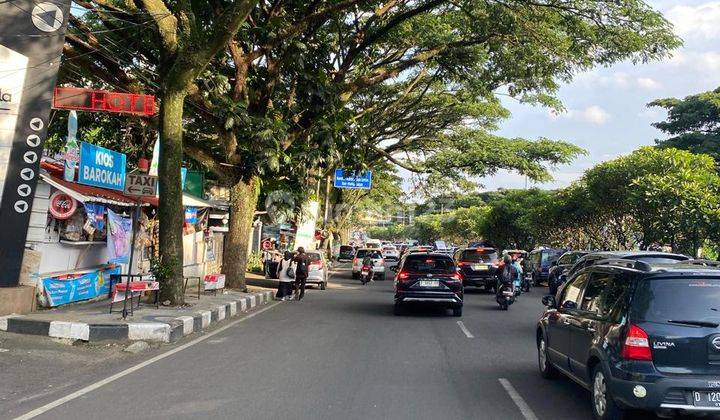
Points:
x=508, y=274
x=368, y=262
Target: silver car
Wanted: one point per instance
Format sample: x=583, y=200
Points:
x=378, y=263
x=318, y=269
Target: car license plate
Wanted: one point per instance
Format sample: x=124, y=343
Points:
x=706, y=398
x=429, y=283
x=479, y=267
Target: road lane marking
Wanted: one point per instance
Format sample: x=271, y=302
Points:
x=79, y=393
x=464, y=329
x=525, y=409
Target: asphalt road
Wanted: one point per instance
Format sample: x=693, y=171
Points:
x=342, y=354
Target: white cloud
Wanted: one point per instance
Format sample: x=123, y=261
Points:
x=701, y=21
x=595, y=114
x=647, y=83
x=592, y=114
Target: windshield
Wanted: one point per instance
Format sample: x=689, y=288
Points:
x=475, y=255
x=549, y=256
x=661, y=259
x=429, y=264
x=362, y=253
x=664, y=300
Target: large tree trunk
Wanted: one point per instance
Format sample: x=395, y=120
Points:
x=243, y=201
x=171, y=208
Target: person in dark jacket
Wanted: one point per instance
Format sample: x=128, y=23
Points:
x=302, y=263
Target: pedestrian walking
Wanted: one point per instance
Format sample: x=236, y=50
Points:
x=286, y=277
x=301, y=272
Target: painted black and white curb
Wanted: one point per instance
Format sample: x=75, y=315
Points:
x=166, y=332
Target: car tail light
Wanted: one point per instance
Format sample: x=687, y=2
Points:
x=403, y=275
x=456, y=277
x=318, y=263
x=356, y=261
x=462, y=264
x=637, y=344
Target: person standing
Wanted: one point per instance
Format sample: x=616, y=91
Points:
x=286, y=277
x=301, y=272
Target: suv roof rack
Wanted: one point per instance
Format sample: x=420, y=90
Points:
x=626, y=263
x=704, y=263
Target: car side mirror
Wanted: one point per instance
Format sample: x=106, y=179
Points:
x=549, y=301
x=554, y=263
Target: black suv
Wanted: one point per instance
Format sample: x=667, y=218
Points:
x=428, y=278
x=637, y=336
x=478, y=266
x=650, y=257
x=556, y=276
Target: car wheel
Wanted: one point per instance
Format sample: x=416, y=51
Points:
x=603, y=404
x=535, y=280
x=547, y=370
x=323, y=286
x=457, y=311
x=397, y=310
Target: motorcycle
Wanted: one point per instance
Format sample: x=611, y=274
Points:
x=366, y=274
x=525, y=285
x=505, y=295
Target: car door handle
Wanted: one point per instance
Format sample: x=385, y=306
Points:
x=566, y=321
x=590, y=329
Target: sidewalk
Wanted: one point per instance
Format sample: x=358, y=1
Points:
x=92, y=321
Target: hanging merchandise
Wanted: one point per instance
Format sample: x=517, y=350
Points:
x=118, y=240
x=74, y=228
x=191, y=215
x=96, y=215
x=62, y=206
x=72, y=148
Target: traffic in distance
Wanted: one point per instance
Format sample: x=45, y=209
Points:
x=637, y=329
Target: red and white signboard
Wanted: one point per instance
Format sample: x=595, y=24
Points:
x=81, y=99
x=214, y=281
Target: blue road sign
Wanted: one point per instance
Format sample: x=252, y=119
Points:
x=351, y=179
x=101, y=167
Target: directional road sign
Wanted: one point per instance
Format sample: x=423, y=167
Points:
x=140, y=185
x=352, y=179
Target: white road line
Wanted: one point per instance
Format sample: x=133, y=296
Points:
x=465, y=330
x=47, y=407
x=525, y=409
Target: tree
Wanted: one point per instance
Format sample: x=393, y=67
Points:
x=510, y=221
x=693, y=123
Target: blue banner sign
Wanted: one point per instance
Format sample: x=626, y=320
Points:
x=60, y=290
x=351, y=179
x=101, y=167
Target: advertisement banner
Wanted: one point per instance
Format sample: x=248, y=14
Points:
x=32, y=35
x=72, y=149
x=101, y=167
x=118, y=239
x=305, y=235
x=60, y=290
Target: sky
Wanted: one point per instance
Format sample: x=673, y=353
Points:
x=606, y=107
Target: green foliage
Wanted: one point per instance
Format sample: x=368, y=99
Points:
x=255, y=263
x=693, y=123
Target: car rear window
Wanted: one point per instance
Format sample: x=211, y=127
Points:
x=312, y=256
x=362, y=253
x=477, y=255
x=346, y=248
x=429, y=264
x=663, y=300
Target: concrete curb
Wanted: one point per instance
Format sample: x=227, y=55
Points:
x=165, y=332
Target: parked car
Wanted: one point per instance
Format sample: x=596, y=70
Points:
x=478, y=266
x=346, y=253
x=378, y=263
x=430, y=279
x=556, y=276
x=538, y=263
x=416, y=249
x=317, y=270
x=644, y=256
x=390, y=253
x=638, y=336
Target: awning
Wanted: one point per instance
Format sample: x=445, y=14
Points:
x=192, y=201
x=88, y=194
